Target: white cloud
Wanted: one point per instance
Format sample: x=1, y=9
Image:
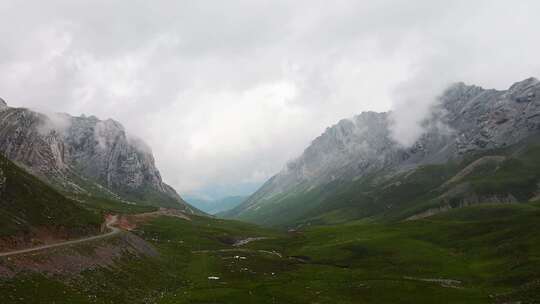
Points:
x=226, y=92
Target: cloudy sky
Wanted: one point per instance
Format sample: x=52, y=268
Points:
x=225, y=92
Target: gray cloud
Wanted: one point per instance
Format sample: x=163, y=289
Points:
x=225, y=92
x=55, y=122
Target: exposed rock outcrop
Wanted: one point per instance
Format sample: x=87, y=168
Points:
x=84, y=155
x=466, y=119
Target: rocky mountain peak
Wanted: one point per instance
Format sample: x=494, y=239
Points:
x=467, y=119
x=83, y=155
x=3, y=103
x=524, y=84
x=525, y=91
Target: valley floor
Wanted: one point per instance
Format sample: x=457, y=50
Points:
x=481, y=254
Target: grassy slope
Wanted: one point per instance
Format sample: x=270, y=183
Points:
x=28, y=203
x=148, y=196
x=141, y=197
x=403, y=195
x=491, y=249
x=344, y=201
x=105, y=205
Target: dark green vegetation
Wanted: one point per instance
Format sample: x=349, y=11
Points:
x=26, y=204
x=480, y=254
x=505, y=175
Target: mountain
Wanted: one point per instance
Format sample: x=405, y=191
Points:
x=479, y=145
x=215, y=206
x=84, y=156
x=30, y=209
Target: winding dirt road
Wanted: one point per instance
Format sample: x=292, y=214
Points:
x=110, y=223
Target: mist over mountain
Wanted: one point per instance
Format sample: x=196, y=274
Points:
x=465, y=121
x=240, y=151
x=84, y=156
x=226, y=97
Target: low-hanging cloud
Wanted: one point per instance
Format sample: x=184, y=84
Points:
x=226, y=92
x=52, y=122
x=414, y=104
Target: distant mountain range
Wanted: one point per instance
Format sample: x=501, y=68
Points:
x=480, y=145
x=85, y=157
x=215, y=206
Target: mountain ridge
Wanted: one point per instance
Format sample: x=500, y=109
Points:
x=467, y=119
x=85, y=156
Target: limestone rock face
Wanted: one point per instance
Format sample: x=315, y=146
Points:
x=104, y=151
x=466, y=119
x=486, y=119
x=23, y=140
x=83, y=154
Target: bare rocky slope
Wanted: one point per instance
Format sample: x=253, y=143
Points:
x=84, y=156
x=467, y=121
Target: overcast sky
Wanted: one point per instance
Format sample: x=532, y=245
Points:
x=225, y=92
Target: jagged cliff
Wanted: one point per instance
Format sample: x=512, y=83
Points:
x=466, y=120
x=84, y=155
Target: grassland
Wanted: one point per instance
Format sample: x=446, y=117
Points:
x=27, y=203
x=480, y=254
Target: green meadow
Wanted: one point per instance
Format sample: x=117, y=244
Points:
x=480, y=254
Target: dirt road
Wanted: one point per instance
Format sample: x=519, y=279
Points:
x=110, y=222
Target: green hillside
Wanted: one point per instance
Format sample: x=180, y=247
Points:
x=480, y=254
x=27, y=204
x=508, y=175
x=140, y=199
